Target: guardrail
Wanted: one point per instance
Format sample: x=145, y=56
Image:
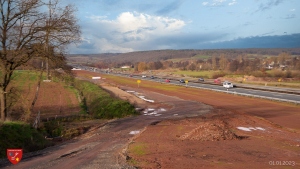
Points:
x=216, y=90
x=236, y=93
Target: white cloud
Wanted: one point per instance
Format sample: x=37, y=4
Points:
x=217, y=2
x=128, y=32
x=292, y=9
x=94, y=17
x=232, y=3
x=103, y=45
x=204, y=3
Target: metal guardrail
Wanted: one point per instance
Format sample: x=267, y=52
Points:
x=240, y=94
x=216, y=90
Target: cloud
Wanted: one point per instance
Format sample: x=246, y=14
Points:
x=293, y=10
x=290, y=16
x=96, y=17
x=170, y=7
x=232, y=3
x=128, y=32
x=266, y=6
x=204, y=3
x=247, y=24
x=277, y=41
x=217, y=3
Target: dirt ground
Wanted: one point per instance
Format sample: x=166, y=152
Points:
x=102, y=148
x=54, y=99
x=213, y=140
x=186, y=133
x=283, y=114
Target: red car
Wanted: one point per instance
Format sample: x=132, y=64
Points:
x=167, y=80
x=217, y=81
x=130, y=75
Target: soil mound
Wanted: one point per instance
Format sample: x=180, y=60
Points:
x=211, y=131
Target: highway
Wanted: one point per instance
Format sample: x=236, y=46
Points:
x=270, y=95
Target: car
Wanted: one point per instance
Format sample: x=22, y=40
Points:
x=201, y=79
x=182, y=81
x=144, y=76
x=130, y=75
x=217, y=81
x=167, y=80
x=227, y=85
x=152, y=77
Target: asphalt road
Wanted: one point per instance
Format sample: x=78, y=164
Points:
x=257, y=93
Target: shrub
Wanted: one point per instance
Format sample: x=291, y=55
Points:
x=296, y=74
x=258, y=74
x=101, y=104
x=218, y=74
x=19, y=135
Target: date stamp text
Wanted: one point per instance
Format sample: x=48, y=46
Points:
x=291, y=163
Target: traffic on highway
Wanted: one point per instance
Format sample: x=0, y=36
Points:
x=219, y=87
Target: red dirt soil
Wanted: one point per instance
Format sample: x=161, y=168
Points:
x=53, y=100
x=283, y=114
x=213, y=141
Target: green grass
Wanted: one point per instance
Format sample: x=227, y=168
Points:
x=101, y=104
x=19, y=135
x=139, y=148
x=204, y=57
x=234, y=76
x=205, y=74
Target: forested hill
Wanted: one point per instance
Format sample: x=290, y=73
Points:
x=158, y=55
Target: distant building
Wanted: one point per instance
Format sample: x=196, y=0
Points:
x=125, y=67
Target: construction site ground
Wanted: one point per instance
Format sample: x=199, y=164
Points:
x=181, y=128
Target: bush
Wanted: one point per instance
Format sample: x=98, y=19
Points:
x=277, y=73
x=101, y=104
x=218, y=74
x=258, y=74
x=296, y=74
x=19, y=135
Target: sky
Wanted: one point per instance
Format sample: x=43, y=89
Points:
x=120, y=26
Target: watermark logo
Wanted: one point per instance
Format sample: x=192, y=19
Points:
x=14, y=155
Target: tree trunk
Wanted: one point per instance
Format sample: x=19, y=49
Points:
x=3, y=105
x=37, y=89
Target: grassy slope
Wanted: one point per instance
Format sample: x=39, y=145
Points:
x=101, y=104
x=19, y=135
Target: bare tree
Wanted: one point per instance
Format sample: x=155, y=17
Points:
x=27, y=33
x=214, y=63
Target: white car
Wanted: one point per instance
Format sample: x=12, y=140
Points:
x=143, y=76
x=227, y=85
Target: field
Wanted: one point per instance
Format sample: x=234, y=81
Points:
x=204, y=57
x=54, y=99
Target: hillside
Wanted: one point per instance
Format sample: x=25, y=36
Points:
x=175, y=55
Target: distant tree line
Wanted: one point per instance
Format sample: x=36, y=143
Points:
x=243, y=64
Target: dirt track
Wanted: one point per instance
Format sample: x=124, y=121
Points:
x=101, y=149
